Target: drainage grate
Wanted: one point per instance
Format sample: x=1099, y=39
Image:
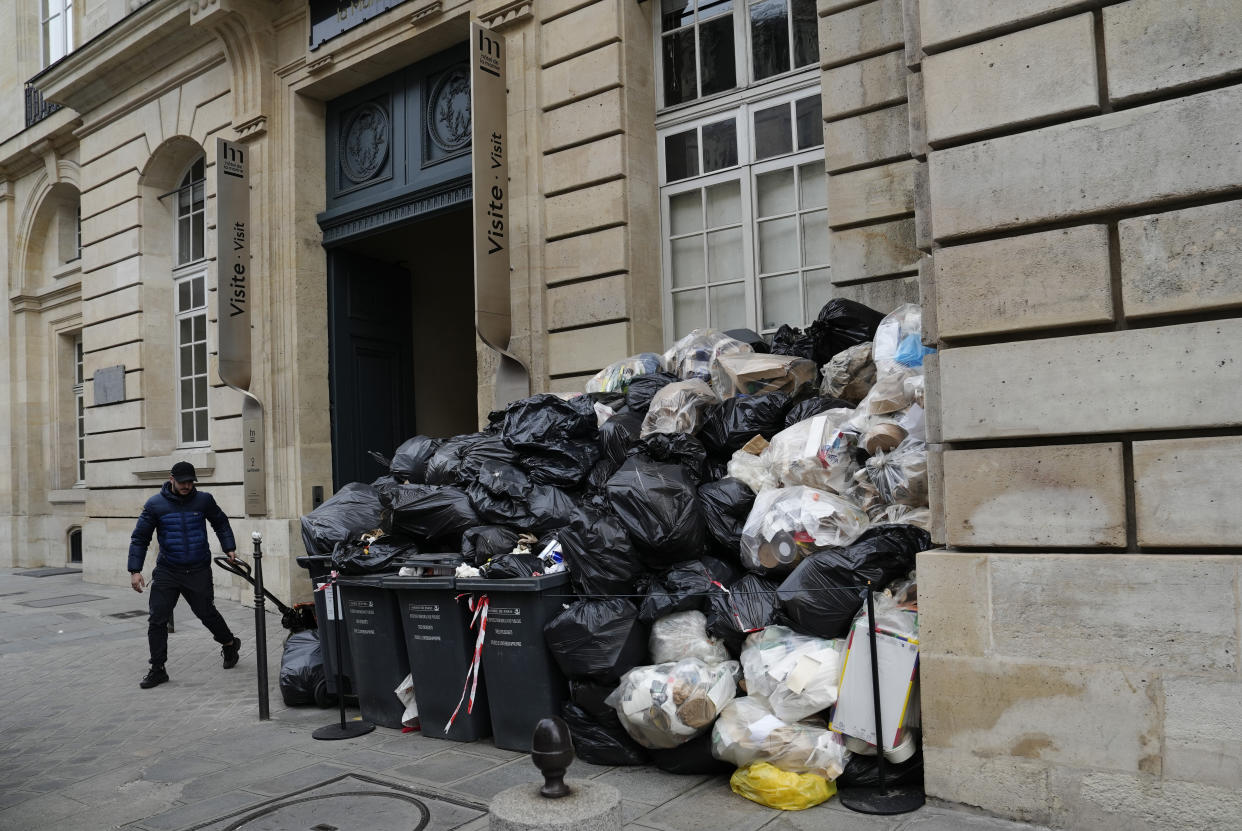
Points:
x=67, y=600
x=48, y=572
x=124, y=615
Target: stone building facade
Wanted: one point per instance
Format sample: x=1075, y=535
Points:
x=1057, y=182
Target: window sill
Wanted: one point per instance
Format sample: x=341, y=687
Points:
x=68, y=269
x=67, y=496
x=157, y=467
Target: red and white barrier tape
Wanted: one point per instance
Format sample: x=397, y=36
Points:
x=478, y=605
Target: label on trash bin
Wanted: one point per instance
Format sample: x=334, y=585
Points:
x=502, y=615
x=417, y=612
x=329, y=599
x=361, y=613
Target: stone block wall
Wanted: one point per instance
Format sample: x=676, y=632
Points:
x=1080, y=221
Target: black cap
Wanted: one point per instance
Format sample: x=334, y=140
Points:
x=184, y=472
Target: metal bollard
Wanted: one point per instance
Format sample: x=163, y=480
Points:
x=260, y=627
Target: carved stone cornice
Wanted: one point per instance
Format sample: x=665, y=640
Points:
x=507, y=15
x=320, y=64
x=248, y=40
x=425, y=11
x=49, y=299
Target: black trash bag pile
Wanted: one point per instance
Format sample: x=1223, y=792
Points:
x=597, y=640
x=301, y=669
x=684, y=587
x=556, y=440
x=509, y=566
x=601, y=741
x=726, y=503
x=643, y=388
x=599, y=555
x=737, y=420
x=439, y=515
x=811, y=407
x=750, y=604
x=367, y=554
x=409, y=463
x=352, y=510
x=619, y=433
x=484, y=542
x=657, y=503
x=821, y=596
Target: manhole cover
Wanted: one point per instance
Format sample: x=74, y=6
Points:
x=67, y=600
x=124, y=615
x=350, y=802
x=48, y=572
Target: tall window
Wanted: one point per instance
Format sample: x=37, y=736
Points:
x=743, y=192
x=56, y=25
x=79, y=409
x=190, y=320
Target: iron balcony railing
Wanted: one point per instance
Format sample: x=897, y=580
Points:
x=36, y=108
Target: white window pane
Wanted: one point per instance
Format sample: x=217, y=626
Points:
x=200, y=327
x=187, y=426
x=183, y=201
x=686, y=212
x=196, y=237
x=200, y=289
x=773, y=132
x=724, y=256
x=183, y=296
x=200, y=391
x=681, y=155
x=187, y=393
x=815, y=238
x=185, y=331
x=728, y=306
x=713, y=8
x=183, y=240
x=724, y=204
x=778, y=244
x=776, y=192
x=200, y=358
x=187, y=362
x=689, y=311
x=781, y=300
x=687, y=262
x=719, y=145
x=676, y=13
x=55, y=38
x=717, y=55
x=200, y=425
x=818, y=290
x=198, y=196
x=813, y=192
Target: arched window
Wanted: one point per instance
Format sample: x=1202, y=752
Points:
x=190, y=305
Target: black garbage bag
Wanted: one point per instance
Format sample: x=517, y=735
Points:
x=735, y=421
x=811, y=407
x=459, y=459
x=658, y=504
x=675, y=448
x=684, y=587
x=565, y=464
x=508, y=566
x=483, y=542
x=601, y=743
x=692, y=757
x=599, y=555
x=864, y=771
x=644, y=387
x=409, y=463
x=822, y=594
x=358, y=556
x=841, y=324
x=726, y=504
x=597, y=639
x=542, y=420
x=301, y=669
x=790, y=340
x=432, y=513
x=351, y=510
x=501, y=494
x=550, y=508
x=619, y=433
x=598, y=478
x=750, y=604
x=591, y=698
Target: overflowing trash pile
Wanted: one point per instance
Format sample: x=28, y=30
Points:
x=721, y=510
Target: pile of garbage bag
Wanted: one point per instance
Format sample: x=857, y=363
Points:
x=721, y=510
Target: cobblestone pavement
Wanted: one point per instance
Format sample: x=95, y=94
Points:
x=85, y=749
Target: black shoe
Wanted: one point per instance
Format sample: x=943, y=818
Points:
x=154, y=678
x=230, y=653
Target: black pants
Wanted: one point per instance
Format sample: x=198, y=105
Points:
x=196, y=587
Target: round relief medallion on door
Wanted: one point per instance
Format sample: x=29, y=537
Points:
x=365, y=145
x=448, y=110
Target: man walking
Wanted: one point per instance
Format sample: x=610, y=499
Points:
x=178, y=515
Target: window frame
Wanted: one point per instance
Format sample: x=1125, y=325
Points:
x=190, y=271
x=79, y=411
x=65, y=9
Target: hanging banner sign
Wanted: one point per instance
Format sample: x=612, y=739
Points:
x=234, y=297
x=492, y=234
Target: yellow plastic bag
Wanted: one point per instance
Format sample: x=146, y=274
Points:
x=776, y=788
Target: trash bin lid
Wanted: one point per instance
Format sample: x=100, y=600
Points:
x=514, y=584
x=370, y=581
x=396, y=581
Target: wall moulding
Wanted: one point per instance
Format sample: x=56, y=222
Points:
x=507, y=14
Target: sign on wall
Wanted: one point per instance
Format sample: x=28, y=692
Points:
x=492, y=234
x=234, y=297
x=330, y=18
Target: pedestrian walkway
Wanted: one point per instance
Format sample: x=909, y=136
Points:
x=84, y=749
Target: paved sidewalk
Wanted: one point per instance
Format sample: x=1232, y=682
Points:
x=84, y=749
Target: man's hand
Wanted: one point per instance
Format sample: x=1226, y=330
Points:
x=136, y=581
x=232, y=555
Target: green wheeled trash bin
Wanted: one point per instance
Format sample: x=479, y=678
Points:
x=525, y=682
x=373, y=624
x=440, y=644
x=326, y=618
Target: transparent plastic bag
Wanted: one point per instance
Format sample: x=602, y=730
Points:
x=814, y=452
x=799, y=675
x=751, y=470
x=693, y=355
x=900, y=477
x=616, y=377
x=850, y=374
x=748, y=732
x=678, y=408
x=684, y=635
x=889, y=394
x=787, y=524
x=903, y=515
x=896, y=610
x=665, y=705
x=781, y=789
x=899, y=341
x=752, y=374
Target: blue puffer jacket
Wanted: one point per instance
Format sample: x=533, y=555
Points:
x=180, y=523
